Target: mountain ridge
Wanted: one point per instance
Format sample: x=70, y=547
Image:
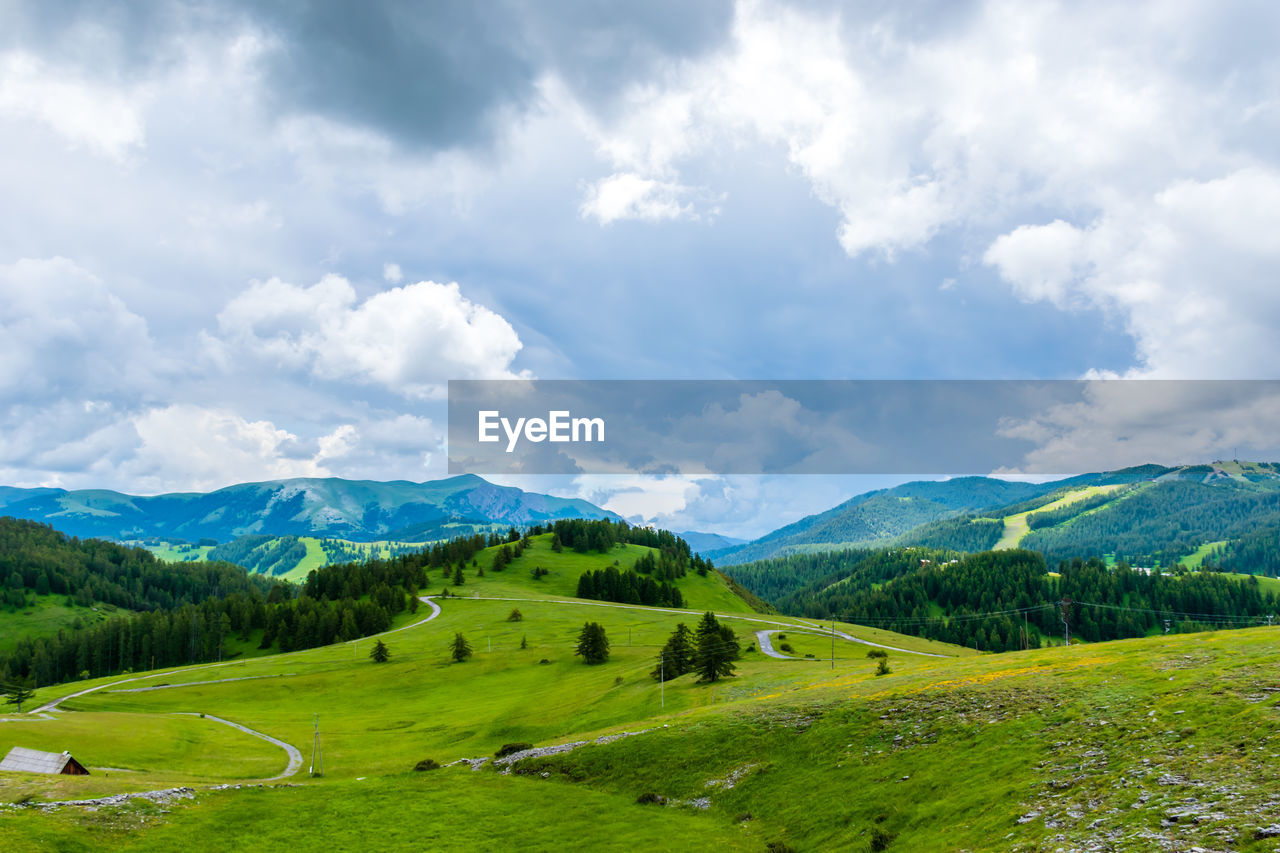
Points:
x=357, y=510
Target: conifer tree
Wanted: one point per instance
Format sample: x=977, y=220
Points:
x=459, y=649
x=715, y=650
x=677, y=655
x=593, y=645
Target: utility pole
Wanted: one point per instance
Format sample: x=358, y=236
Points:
x=1065, y=604
x=315, y=750
x=833, y=639
x=662, y=680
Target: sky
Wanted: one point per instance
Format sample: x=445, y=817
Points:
x=246, y=241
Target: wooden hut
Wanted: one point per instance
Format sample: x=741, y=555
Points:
x=20, y=760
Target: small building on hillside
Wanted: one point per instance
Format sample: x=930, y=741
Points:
x=20, y=760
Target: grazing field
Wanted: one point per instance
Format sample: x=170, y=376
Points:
x=45, y=616
x=1168, y=741
x=1016, y=528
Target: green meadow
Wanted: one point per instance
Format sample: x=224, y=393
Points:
x=1019, y=751
x=44, y=616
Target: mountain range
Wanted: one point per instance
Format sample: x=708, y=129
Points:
x=1182, y=508
x=357, y=510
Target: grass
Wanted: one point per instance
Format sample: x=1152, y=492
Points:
x=1266, y=584
x=942, y=754
x=123, y=749
x=1023, y=751
x=45, y=616
x=1195, y=559
x=1016, y=527
x=440, y=810
x=170, y=553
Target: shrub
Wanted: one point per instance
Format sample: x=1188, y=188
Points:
x=515, y=615
x=544, y=660
x=882, y=668
x=880, y=840
x=877, y=653
x=427, y=764
x=779, y=847
x=510, y=748
x=650, y=798
x=785, y=647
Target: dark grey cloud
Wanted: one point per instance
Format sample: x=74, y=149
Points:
x=427, y=74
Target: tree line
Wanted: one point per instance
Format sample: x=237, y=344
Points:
x=952, y=601
x=35, y=558
x=610, y=584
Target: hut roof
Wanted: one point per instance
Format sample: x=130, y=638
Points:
x=24, y=760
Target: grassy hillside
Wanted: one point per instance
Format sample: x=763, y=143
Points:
x=1146, y=743
x=879, y=517
x=46, y=615
x=1016, y=526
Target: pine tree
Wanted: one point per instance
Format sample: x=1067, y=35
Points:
x=459, y=649
x=18, y=692
x=458, y=579
x=380, y=652
x=677, y=655
x=593, y=645
x=715, y=650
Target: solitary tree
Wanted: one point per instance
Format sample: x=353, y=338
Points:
x=459, y=649
x=715, y=649
x=882, y=668
x=593, y=645
x=380, y=653
x=458, y=579
x=515, y=615
x=677, y=655
x=18, y=692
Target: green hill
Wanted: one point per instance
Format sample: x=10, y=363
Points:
x=1162, y=739
x=879, y=517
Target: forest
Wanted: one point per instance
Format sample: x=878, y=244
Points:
x=1006, y=600
x=192, y=611
x=36, y=558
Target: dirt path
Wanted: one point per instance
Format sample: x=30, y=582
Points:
x=295, y=757
x=49, y=706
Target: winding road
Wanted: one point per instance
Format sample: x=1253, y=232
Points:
x=295, y=756
x=820, y=630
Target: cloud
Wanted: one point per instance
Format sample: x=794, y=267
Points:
x=629, y=196
x=408, y=339
x=1188, y=271
x=63, y=332
x=81, y=110
x=1122, y=423
x=391, y=273
x=193, y=447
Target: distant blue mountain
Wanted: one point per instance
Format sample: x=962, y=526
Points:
x=360, y=510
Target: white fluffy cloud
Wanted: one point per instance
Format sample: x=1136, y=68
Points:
x=629, y=196
x=62, y=331
x=82, y=111
x=1190, y=272
x=408, y=339
x=203, y=449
